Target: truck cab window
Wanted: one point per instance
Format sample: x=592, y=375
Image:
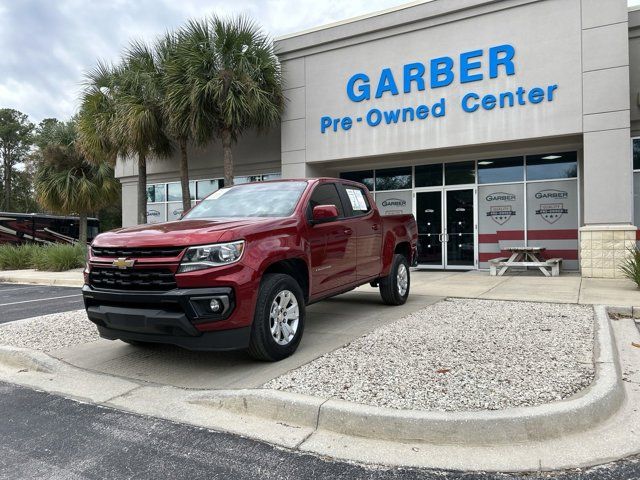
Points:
x=326, y=194
x=358, y=202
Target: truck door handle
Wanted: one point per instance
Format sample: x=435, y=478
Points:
x=348, y=231
x=375, y=226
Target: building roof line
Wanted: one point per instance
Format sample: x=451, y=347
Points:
x=352, y=19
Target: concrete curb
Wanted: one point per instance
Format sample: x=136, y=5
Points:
x=580, y=412
x=49, y=279
x=573, y=430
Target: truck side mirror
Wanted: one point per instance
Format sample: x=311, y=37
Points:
x=324, y=213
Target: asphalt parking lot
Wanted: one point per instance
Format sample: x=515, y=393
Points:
x=25, y=301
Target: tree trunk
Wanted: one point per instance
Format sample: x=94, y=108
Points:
x=7, y=183
x=82, y=227
x=184, y=176
x=142, y=189
x=228, y=158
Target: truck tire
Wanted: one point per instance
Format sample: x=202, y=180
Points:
x=394, y=288
x=278, y=321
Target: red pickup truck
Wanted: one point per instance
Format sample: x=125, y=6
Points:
x=237, y=271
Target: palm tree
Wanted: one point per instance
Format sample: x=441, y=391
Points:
x=232, y=81
x=122, y=114
x=176, y=105
x=67, y=182
x=139, y=115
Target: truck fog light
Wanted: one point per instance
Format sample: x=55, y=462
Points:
x=215, y=305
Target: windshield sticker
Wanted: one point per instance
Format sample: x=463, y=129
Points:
x=357, y=199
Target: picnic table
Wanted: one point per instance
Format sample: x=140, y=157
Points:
x=525, y=257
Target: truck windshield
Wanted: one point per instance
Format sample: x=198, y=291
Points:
x=272, y=199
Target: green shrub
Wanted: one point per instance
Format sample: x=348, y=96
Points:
x=18, y=257
x=60, y=257
x=631, y=266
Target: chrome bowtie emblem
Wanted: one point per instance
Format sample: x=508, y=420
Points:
x=123, y=263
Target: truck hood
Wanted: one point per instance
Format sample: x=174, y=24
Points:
x=181, y=233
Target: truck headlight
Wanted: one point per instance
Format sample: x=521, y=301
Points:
x=207, y=256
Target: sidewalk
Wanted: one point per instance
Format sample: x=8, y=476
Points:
x=567, y=288
x=533, y=287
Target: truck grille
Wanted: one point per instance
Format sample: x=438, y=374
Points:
x=137, y=252
x=144, y=279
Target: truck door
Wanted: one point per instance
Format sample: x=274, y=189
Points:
x=366, y=222
x=333, y=244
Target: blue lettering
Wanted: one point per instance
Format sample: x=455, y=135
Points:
x=364, y=88
x=488, y=102
x=371, y=121
x=413, y=72
x=465, y=102
x=325, y=122
x=466, y=66
x=392, y=116
x=386, y=83
x=438, y=109
x=407, y=112
x=441, y=67
x=536, y=95
x=501, y=55
x=422, y=112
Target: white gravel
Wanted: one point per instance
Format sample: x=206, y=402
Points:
x=458, y=355
x=49, y=332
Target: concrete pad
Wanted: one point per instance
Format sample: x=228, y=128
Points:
x=330, y=324
x=562, y=289
x=610, y=291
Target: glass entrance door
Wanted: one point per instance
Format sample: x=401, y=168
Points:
x=445, y=220
x=459, y=234
x=430, y=231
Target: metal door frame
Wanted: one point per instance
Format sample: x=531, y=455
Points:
x=443, y=214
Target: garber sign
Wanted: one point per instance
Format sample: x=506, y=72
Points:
x=468, y=67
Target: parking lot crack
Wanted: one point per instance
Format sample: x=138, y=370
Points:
x=315, y=428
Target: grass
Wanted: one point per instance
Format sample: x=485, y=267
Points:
x=631, y=266
x=53, y=258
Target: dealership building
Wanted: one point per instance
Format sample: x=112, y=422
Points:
x=497, y=123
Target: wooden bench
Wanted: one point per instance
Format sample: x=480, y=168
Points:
x=494, y=263
x=504, y=264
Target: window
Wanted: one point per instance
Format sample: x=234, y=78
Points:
x=459, y=173
x=326, y=194
x=206, y=187
x=276, y=199
x=156, y=193
x=636, y=153
x=552, y=165
x=365, y=177
x=501, y=170
x=174, y=191
x=393, y=178
x=357, y=200
x=429, y=175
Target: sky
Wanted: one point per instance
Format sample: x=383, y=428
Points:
x=48, y=45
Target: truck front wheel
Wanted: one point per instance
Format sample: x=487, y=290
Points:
x=278, y=321
x=394, y=288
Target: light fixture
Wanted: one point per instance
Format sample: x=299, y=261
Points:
x=551, y=157
x=485, y=162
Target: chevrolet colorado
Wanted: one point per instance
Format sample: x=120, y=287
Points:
x=238, y=269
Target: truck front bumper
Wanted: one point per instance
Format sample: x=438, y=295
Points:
x=166, y=317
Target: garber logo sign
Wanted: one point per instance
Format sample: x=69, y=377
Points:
x=434, y=74
x=394, y=202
